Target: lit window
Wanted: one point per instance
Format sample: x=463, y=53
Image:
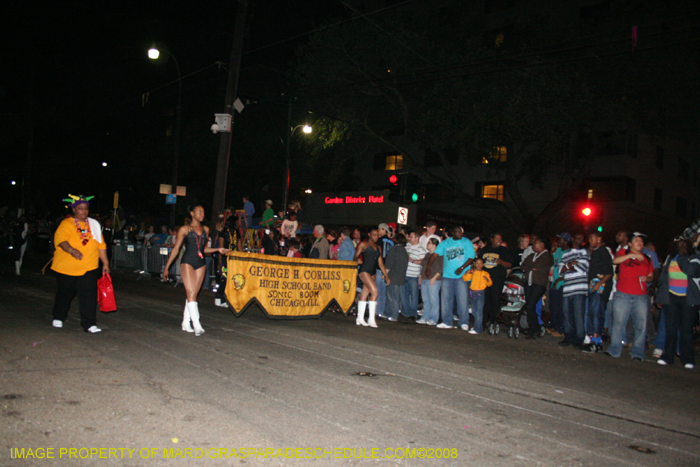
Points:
x=493, y=191
x=394, y=163
x=499, y=153
x=590, y=194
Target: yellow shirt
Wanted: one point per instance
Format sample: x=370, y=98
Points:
x=64, y=262
x=480, y=279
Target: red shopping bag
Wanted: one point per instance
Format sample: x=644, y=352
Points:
x=105, y=294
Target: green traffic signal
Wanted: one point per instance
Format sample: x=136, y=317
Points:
x=600, y=228
x=414, y=197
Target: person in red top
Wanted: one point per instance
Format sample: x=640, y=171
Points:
x=635, y=270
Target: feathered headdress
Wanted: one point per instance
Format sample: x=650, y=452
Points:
x=76, y=200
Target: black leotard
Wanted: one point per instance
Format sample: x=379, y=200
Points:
x=190, y=255
x=370, y=260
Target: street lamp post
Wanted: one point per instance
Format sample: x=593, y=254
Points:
x=290, y=131
x=154, y=54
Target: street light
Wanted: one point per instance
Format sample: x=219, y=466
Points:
x=154, y=54
x=306, y=129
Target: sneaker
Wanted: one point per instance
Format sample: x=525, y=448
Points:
x=586, y=340
x=688, y=366
x=657, y=353
x=465, y=327
x=57, y=323
x=430, y=323
x=590, y=348
x=444, y=326
x=473, y=331
x=661, y=361
x=421, y=321
x=636, y=359
x=93, y=329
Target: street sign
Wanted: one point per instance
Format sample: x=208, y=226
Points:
x=403, y=216
x=170, y=199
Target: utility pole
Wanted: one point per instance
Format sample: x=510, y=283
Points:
x=231, y=92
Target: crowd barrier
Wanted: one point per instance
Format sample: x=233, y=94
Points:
x=151, y=259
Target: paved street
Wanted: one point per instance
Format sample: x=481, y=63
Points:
x=148, y=388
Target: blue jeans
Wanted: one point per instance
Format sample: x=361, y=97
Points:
x=381, y=292
x=478, y=298
x=393, y=301
x=431, y=301
x=596, y=314
x=574, y=311
x=454, y=291
x=409, y=297
x=624, y=306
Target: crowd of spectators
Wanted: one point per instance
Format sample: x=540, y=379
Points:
x=576, y=287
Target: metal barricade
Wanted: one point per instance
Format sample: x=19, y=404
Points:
x=127, y=255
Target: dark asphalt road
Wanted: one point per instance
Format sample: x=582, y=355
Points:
x=142, y=384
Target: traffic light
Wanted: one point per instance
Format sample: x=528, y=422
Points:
x=586, y=212
x=413, y=190
x=394, y=189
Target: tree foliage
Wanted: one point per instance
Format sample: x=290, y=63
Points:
x=451, y=84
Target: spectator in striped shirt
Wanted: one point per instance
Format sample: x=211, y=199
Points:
x=574, y=269
x=416, y=253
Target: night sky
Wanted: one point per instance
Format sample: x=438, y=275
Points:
x=76, y=82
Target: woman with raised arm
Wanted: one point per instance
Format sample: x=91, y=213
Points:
x=192, y=266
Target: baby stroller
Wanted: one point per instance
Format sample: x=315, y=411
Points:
x=512, y=314
x=512, y=305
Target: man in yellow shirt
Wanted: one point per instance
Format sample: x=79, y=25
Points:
x=79, y=250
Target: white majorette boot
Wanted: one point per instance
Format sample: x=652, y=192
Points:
x=361, y=308
x=218, y=302
x=186, y=326
x=194, y=315
x=371, y=322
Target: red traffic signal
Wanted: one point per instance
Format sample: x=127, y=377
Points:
x=393, y=179
x=586, y=211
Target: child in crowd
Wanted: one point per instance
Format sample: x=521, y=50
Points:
x=293, y=249
x=480, y=279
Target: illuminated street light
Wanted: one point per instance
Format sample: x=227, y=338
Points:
x=307, y=129
x=154, y=54
x=104, y=164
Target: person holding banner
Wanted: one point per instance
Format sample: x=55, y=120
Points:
x=192, y=266
x=371, y=262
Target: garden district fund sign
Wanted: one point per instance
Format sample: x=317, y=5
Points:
x=289, y=287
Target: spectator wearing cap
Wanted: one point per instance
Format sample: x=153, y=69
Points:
x=268, y=217
x=556, y=291
x=630, y=300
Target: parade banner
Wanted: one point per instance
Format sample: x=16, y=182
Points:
x=289, y=287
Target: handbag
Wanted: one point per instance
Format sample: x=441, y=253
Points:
x=105, y=294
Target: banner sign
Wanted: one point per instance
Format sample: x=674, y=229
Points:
x=289, y=287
